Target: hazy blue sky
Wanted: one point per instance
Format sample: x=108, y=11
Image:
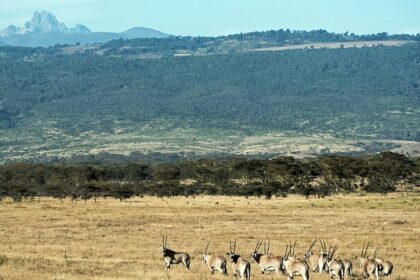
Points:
x=217, y=17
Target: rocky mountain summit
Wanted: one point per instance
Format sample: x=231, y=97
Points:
x=43, y=22
x=44, y=30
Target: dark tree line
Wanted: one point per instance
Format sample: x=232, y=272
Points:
x=321, y=176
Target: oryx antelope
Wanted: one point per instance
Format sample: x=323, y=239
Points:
x=334, y=267
x=239, y=265
x=348, y=268
x=215, y=263
x=385, y=267
x=316, y=261
x=267, y=262
x=172, y=257
x=294, y=266
x=370, y=268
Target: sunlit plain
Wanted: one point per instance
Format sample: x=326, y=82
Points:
x=50, y=239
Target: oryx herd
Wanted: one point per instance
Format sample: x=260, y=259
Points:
x=288, y=265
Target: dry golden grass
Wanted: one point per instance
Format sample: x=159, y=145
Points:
x=113, y=240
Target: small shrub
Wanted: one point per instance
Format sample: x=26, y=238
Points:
x=3, y=259
x=399, y=222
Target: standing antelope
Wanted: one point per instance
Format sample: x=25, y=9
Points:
x=370, y=268
x=172, y=257
x=322, y=258
x=266, y=262
x=348, y=268
x=334, y=267
x=293, y=266
x=314, y=260
x=215, y=263
x=385, y=267
x=239, y=265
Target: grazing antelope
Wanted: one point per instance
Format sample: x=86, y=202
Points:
x=239, y=265
x=334, y=267
x=314, y=260
x=172, y=257
x=370, y=268
x=267, y=262
x=215, y=263
x=294, y=266
x=385, y=267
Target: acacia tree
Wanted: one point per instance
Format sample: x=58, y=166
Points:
x=166, y=172
x=207, y=171
x=283, y=173
x=340, y=172
x=308, y=171
x=250, y=170
x=386, y=169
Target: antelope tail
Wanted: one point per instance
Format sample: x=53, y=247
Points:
x=224, y=267
x=390, y=270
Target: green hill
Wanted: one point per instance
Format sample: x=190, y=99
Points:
x=54, y=104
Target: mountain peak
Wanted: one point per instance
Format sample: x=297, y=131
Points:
x=143, y=32
x=44, y=30
x=43, y=22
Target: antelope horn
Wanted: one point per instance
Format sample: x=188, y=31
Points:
x=163, y=241
x=324, y=248
x=333, y=252
x=234, y=246
x=268, y=247
x=256, y=246
x=290, y=249
x=294, y=247
x=329, y=251
x=367, y=246
x=207, y=247
x=363, y=248
x=376, y=252
x=285, y=252
x=312, y=245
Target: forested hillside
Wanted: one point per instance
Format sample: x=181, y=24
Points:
x=50, y=100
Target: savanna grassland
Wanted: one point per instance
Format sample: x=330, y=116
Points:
x=53, y=239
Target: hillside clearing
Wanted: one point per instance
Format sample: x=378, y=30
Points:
x=336, y=45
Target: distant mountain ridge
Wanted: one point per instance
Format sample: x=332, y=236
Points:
x=42, y=22
x=44, y=30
